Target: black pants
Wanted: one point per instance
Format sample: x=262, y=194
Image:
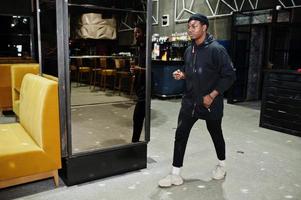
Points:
x=185, y=123
x=138, y=119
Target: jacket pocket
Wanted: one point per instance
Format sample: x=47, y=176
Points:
x=201, y=110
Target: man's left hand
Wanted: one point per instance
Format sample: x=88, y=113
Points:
x=207, y=101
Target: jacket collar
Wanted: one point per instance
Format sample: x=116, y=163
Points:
x=208, y=40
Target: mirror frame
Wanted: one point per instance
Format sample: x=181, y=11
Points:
x=64, y=77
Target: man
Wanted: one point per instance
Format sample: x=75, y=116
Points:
x=208, y=73
x=139, y=84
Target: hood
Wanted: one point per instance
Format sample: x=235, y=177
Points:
x=208, y=40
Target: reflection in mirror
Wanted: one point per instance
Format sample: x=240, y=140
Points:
x=16, y=47
x=107, y=74
x=48, y=38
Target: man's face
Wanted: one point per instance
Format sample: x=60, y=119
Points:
x=196, y=30
x=138, y=34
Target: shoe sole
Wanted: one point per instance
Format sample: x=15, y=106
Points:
x=220, y=178
x=167, y=186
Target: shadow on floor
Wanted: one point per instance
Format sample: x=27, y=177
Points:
x=191, y=189
x=28, y=189
x=157, y=118
x=256, y=105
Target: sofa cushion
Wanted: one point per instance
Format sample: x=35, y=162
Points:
x=19, y=154
x=14, y=140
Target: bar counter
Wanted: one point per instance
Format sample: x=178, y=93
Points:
x=99, y=56
x=164, y=85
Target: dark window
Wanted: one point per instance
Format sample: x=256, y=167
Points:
x=15, y=37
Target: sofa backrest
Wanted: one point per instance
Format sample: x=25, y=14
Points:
x=50, y=77
x=18, y=71
x=39, y=111
x=4, y=70
x=5, y=86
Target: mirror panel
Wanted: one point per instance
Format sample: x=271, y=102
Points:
x=48, y=37
x=107, y=97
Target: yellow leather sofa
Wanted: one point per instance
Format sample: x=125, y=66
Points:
x=30, y=149
x=5, y=87
x=18, y=71
x=50, y=77
x=6, y=102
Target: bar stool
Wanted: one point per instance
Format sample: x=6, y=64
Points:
x=122, y=74
x=105, y=72
x=81, y=70
x=95, y=70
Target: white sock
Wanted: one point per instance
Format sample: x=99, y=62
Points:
x=176, y=170
x=222, y=163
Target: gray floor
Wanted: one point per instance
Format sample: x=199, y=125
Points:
x=101, y=126
x=84, y=95
x=261, y=165
x=100, y=119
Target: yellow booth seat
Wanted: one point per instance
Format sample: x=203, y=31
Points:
x=5, y=87
x=18, y=71
x=30, y=149
x=50, y=77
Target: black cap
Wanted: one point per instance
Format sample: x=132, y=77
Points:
x=202, y=18
x=141, y=25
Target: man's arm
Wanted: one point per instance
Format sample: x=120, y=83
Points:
x=226, y=72
x=227, y=77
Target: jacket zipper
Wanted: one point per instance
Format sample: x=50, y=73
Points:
x=193, y=59
x=194, y=70
x=193, y=110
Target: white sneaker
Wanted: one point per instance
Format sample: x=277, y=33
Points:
x=219, y=172
x=170, y=180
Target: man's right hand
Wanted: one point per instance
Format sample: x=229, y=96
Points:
x=133, y=68
x=178, y=75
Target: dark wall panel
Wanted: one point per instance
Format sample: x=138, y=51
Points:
x=16, y=7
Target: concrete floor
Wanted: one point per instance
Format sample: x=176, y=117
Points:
x=100, y=119
x=261, y=165
x=102, y=126
x=83, y=95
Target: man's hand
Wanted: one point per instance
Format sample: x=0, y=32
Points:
x=208, y=99
x=135, y=68
x=178, y=75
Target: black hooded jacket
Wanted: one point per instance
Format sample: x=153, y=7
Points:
x=207, y=68
x=139, y=84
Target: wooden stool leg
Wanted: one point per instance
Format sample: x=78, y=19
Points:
x=119, y=85
x=101, y=82
x=104, y=83
x=94, y=79
x=56, y=178
x=77, y=82
x=91, y=75
x=114, y=84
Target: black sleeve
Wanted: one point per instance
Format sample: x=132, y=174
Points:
x=226, y=69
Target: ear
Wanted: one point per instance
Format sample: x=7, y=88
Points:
x=204, y=28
